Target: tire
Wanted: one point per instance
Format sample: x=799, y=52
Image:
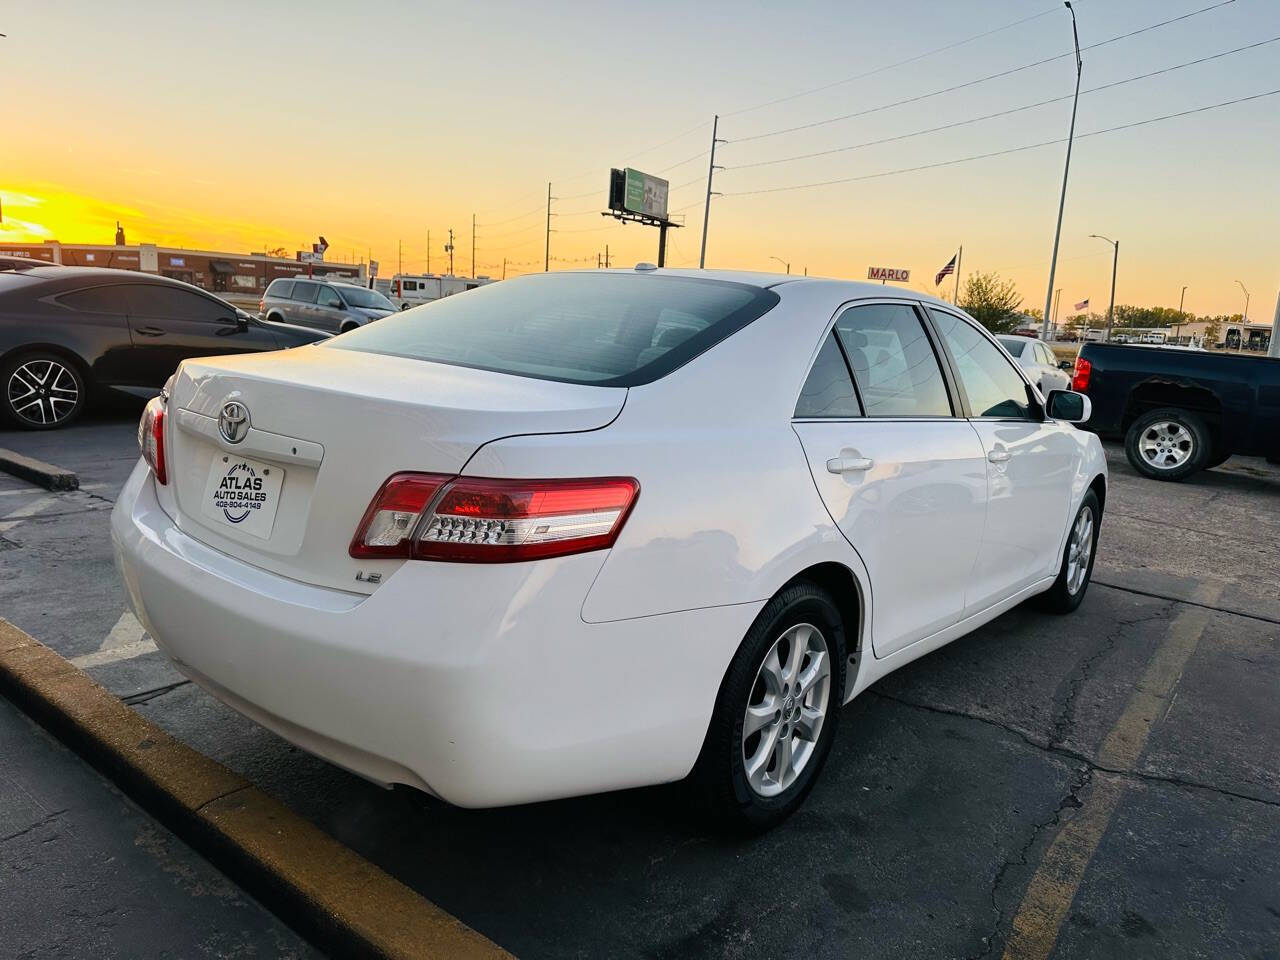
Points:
x=802, y=617
x=41, y=390
x=1217, y=459
x=1075, y=572
x=1168, y=444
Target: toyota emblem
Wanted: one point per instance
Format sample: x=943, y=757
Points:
x=233, y=421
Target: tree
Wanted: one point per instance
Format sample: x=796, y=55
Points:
x=991, y=301
x=1213, y=332
x=279, y=252
x=1071, y=328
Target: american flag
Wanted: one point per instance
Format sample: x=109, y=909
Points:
x=946, y=271
x=1082, y=305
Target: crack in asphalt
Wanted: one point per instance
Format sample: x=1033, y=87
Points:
x=223, y=796
x=146, y=696
x=1064, y=723
x=43, y=821
x=1084, y=776
x=1066, y=753
x=1190, y=603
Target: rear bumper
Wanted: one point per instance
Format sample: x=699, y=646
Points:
x=478, y=683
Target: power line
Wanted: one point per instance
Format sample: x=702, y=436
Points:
x=999, y=113
x=1001, y=153
x=891, y=66
x=979, y=80
x=519, y=216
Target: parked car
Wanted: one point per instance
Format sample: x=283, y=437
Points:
x=582, y=531
x=1038, y=361
x=323, y=304
x=66, y=332
x=1181, y=410
x=21, y=263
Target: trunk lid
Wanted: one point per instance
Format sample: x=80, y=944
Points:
x=321, y=430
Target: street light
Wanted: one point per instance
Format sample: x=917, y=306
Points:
x=1244, y=317
x=1177, y=327
x=783, y=262
x=1062, y=200
x=1115, y=259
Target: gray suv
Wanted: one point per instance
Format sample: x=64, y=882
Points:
x=323, y=304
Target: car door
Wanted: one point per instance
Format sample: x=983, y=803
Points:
x=1030, y=463
x=302, y=304
x=167, y=324
x=99, y=316
x=330, y=311
x=901, y=474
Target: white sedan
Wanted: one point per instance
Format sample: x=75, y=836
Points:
x=1038, y=361
x=576, y=532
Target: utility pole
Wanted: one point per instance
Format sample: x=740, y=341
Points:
x=606, y=256
x=399, y=256
x=706, y=211
x=546, y=265
x=1062, y=200
x=504, y=268
x=1273, y=348
x=428, y=251
x=473, y=246
x=1244, y=317
x=1115, y=259
x=1177, y=327
x=955, y=299
x=449, y=250
x=1057, y=296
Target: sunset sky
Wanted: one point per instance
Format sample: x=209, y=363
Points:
x=245, y=125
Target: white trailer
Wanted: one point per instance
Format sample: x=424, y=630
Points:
x=407, y=290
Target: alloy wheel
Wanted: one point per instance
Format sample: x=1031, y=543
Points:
x=43, y=392
x=1079, y=550
x=786, y=710
x=1166, y=445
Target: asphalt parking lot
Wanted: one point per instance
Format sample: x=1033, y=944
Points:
x=1104, y=784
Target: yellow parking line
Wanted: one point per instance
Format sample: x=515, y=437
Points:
x=1056, y=881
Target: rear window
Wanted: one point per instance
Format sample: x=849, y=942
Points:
x=1015, y=345
x=605, y=329
x=304, y=291
x=280, y=288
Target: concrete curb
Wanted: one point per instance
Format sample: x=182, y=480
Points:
x=331, y=894
x=37, y=471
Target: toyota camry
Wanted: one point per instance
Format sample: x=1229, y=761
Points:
x=577, y=532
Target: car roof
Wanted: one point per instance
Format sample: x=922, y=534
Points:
x=68, y=278
x=767, y=280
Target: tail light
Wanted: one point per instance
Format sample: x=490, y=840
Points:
x=425, y=516
x=151, y=438
x=1080, y=377
x=262, y=304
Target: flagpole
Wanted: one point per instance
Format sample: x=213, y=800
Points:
x=959, y=258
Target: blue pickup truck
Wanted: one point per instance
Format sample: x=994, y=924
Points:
x=1180, y=410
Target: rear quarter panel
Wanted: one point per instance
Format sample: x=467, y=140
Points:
x=727, y=510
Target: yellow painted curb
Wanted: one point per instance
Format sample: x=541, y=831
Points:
x=332, y=894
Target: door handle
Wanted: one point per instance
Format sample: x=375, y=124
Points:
x=149, y=331
x=849, y=464
x=998, y=456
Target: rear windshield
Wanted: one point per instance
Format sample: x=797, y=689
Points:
x=1014, y=345
x=608, y=329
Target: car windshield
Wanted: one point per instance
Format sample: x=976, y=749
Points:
x=610, y=329
x=360, y=297
x=1015, y=345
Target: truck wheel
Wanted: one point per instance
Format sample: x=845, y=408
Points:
x=1168, y=444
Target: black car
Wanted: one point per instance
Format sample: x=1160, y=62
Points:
x=67, y=332
x=1181, y=410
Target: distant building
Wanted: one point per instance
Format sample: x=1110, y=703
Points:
x=231, y=275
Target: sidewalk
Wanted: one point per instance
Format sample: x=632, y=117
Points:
x=85, y=873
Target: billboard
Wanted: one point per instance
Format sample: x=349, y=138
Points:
x=631, y=191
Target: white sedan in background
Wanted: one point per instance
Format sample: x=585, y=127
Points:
x=576, y=532
x=1038, y=361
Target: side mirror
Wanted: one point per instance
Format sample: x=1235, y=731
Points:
x=1069, y=406
x=1066, y=364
